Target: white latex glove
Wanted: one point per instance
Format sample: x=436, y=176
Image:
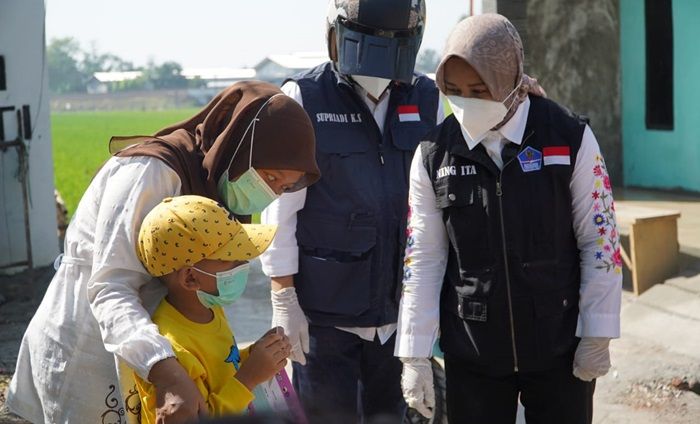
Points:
x=287, y=313
x=592, y=358
x=417, y=385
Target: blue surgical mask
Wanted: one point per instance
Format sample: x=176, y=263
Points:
x=231, y=285
x=250, y=193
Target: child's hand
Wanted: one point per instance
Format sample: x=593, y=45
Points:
x=286, y=344
x=267, y=357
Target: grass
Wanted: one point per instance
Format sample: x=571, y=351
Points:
x=81, y=143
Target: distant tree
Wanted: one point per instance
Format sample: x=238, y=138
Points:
x=427, y=61
x=63, y=62
x=165, y=75
x=70, y=68
x=94, y=61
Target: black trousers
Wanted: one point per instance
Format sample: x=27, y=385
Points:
x=549, y=397
x=348, y=380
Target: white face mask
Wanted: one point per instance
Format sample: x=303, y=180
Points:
x=375, y=86
x=478, y=116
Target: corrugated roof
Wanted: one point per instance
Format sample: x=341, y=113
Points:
x=298, y=61
x=117, y=76
x=218, y=73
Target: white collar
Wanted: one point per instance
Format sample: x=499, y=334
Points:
x=364, y=96
x=513, y=130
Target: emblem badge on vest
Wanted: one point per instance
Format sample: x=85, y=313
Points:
x=530, y=160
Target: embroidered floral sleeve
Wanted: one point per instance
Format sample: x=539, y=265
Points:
x=410, y=241
x=607, y=256
x=598, y=240
x=424, y=268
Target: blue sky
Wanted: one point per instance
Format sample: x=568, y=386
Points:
x=212, y=33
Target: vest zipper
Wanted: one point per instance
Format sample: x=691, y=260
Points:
x=499, y=194
x=371, y=116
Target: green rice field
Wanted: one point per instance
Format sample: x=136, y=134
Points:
x=81, y=143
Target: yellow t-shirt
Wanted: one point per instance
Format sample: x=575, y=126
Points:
x=209, y=354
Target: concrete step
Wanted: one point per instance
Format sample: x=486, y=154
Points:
x=688, y=284
x=668, y=315
x=674, y=299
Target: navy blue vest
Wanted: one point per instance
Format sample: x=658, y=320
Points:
x=510, y=294
x=351, y=231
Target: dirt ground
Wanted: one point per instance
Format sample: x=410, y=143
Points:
x=647, y=384
x=19, y=298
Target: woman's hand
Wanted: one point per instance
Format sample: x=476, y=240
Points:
x=287, y=313
x=417, y=385
x=592, y=358
x=177, y=398
x=267, y=357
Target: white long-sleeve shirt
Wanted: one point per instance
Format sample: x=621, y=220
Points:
x=594, y=227
x=113, y=290
x=97, y=304
x=282, y=257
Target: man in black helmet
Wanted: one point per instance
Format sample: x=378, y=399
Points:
x=336, y=262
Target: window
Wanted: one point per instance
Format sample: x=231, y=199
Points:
x=659, y=64
x=3, y=80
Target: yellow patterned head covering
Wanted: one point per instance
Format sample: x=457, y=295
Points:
x=181, y=231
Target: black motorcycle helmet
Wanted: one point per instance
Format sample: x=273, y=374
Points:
x=376, y=38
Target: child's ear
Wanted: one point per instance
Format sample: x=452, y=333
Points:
x=188, y=280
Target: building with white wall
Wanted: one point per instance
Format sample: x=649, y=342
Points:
x=278, y=67
x=24, y=118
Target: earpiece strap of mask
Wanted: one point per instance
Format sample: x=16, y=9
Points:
x=515, y=91
x=252, y=137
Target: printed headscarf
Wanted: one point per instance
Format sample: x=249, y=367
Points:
x=492, y=46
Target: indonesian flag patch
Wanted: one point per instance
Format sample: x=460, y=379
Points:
x=408, y=113
x=557, y=155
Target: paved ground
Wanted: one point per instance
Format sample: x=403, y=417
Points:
x=660, y=343
x=658, y=352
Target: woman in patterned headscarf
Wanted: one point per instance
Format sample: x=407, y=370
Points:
x=513, y=250
x=250, y=144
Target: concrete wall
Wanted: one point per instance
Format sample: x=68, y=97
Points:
x=655, y=158
x=573, y=49
x=22, y=46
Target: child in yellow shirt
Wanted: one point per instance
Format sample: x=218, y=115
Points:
x=200, y=253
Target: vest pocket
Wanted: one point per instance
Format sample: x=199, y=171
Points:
x=454, y=194
x=407, y=135
x=543, y=277
x=556, y=316
x=342, y=140
x=335, y=267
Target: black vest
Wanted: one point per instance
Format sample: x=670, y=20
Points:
x=351, y=231
x=510, y=296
